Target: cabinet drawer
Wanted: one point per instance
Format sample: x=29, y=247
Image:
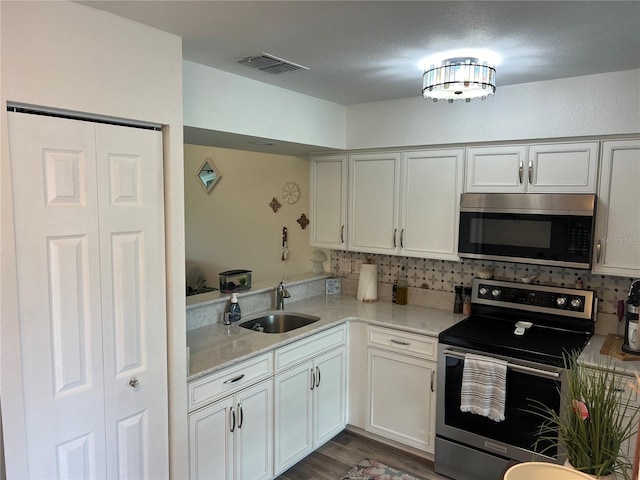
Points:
x=228, y=381
x=289, y=355
x=397, y=341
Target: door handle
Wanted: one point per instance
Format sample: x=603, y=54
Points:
x=598, y=250
x=232, y=419
x=342, y=234
x=241, y=420
x=395, y=234
x=520, y=171
x=402, y=238
x=313, y=379
x=433, y=372
x=134, y=382
x=530, y=172
x=317, y=377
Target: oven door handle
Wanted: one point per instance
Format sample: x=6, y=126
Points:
x=512, y=366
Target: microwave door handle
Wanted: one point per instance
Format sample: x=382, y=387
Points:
x=520, y=169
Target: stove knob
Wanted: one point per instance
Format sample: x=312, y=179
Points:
x=561, y=302
x=576, y=303
x=483, y=291
x=495, y=293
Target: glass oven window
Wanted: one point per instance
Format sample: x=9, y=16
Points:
x=520, y=427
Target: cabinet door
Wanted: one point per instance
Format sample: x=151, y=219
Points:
x=329, y=396
x=401, y=400
x=374, y=202
x=254, y=434
x=431, y=187
x=328, y=201
x=617, y=232
x=496, y=169
x=292, y=421
x=563, y=168
x=211, y=441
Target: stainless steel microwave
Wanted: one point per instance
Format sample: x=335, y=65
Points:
x=540, y=229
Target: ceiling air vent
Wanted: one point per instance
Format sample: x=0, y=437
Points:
x=270, y=64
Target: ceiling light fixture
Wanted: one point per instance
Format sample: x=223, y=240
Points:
x=459, y=78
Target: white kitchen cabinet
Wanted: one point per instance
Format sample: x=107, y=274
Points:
x=430, y=200
x=406, y=204
x=309, y=395
x=617, y=231
x=401, y=387
x=231, y=422
x=328, y=201
x=374, y=202
x=562, y=168
x=543, y=168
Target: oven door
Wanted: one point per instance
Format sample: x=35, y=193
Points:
x=563, y=240
x=512, y=438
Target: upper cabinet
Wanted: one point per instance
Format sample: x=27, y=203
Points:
x=544, y=168
x=328, y=201
x=406, y=204
x=617, y=232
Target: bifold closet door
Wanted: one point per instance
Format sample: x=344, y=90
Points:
x=88, y=212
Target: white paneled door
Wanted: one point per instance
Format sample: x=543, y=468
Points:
x=88, y=210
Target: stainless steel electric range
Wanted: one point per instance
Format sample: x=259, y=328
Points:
x=530, y=327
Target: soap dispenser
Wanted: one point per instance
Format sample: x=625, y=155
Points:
x=234, y=309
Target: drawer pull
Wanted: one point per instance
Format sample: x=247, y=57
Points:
x=234, y=379
x=399, y=342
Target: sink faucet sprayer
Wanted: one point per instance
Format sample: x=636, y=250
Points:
x=281, y=294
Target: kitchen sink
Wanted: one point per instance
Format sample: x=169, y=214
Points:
x=279, y=322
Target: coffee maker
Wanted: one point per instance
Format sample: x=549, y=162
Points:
x=632, y=340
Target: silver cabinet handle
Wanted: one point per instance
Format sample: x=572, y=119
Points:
x=342, y=234
x=241, y=414
x=317, y=377
x=402, y=238
x=530, y=172
x=313, y=379
x=134, y=382
x=232, y=419
x=395, y=234
x=520, y=171
x=399, y=342
x=598, y=250
x=234, y=379
x=433, y=372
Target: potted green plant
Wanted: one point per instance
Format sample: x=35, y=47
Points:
x=595, y=419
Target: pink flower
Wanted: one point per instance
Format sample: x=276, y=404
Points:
x=581, y=409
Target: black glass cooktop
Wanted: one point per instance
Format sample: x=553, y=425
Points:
x=539, y=343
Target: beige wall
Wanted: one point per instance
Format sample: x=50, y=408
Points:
x=234, y=226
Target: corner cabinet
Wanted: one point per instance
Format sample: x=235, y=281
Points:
x=328, y=201
x=617, y=231
x=540, y=168
x=406, y=203
x=309, y=395
x=401, y=401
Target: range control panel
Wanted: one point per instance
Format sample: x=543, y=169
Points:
x=538, y=298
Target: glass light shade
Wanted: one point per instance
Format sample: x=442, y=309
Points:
x=459, y=79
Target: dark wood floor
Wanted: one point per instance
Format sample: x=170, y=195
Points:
x=346, y=450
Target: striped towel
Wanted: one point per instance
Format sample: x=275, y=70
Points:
x=484, y=382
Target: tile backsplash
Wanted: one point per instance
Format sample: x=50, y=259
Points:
x=442, y=275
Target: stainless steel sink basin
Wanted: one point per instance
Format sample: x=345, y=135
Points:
x=279, y=322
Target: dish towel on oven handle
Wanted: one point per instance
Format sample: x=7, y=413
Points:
x=484, y=386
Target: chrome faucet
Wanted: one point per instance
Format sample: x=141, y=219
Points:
x=281, y=294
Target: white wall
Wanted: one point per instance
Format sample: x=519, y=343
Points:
x=233, y=226
x=70, y=56
x=217, y=100
x=604, y=104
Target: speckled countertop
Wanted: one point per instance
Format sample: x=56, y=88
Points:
x=217, y=346
x=591, y=356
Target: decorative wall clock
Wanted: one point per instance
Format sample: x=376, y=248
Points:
x=291, y=193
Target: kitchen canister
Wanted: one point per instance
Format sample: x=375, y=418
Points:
x=368, y=283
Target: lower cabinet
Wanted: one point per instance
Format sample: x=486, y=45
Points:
x=401, y=397
x=309, y=406
x=232, y=438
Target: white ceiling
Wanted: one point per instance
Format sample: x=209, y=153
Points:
x=366, y=51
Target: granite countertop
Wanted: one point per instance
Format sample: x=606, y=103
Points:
x=591, y=356
x=218, y=346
